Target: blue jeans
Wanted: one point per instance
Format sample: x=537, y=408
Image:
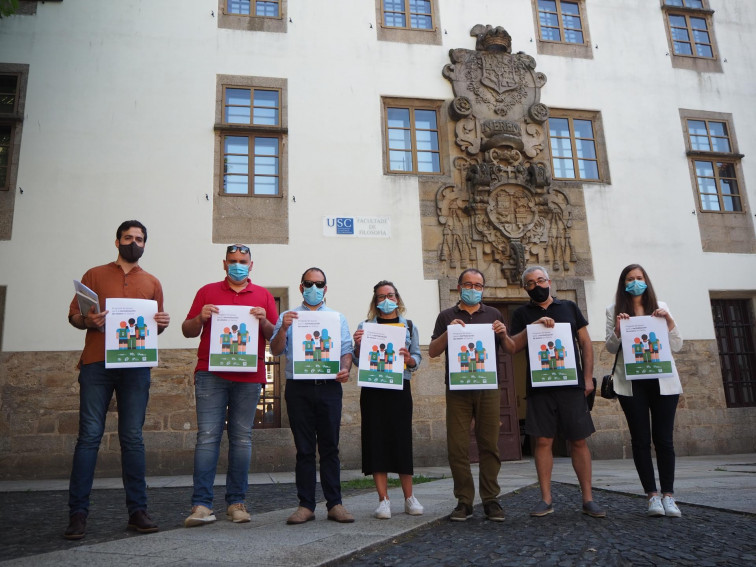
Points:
x=217, y=401
x=96, y=387
x=314, y=408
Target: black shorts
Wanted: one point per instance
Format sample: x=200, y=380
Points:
x=564, y=410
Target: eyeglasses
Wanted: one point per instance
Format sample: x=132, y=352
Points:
x=308, y=284
x=531, y=284
x=381, y=297
x=476, y=286
x=237, y=248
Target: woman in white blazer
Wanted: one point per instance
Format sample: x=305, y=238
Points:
x=649, y=404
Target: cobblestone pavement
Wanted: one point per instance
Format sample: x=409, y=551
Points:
x=33, y=522
x=702, y=537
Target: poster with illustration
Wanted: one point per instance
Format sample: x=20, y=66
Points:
x=233, y=339
x=645, y=347
x=130, y=333
x=472, y=357
x=381, y=365
x=553, y=361
x=316, y=345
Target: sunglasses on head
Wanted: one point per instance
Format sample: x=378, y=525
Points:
x=237, y=248
x=309, y=284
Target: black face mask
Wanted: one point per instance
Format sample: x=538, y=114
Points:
x=539, y=294
x=130, y=252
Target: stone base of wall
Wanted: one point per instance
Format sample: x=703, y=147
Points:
x=39, y=417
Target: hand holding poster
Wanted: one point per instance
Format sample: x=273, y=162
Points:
x=130, y=333
x=551, y=352
x=233, y=339
x=316, y=344
x=381, y=365
x=645, y=347
x=471, y=366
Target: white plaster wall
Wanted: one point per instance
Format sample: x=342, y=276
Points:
x=119, y=115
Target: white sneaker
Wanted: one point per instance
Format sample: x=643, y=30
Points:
x=413, y=507
x=655, y=507
x=383, y=511
x=670, y=508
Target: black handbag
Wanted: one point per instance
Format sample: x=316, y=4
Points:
x=607, y=382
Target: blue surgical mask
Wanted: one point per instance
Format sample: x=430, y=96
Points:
x=313, y=295
x=471, y=296
x=238, y=272
x=387, y=306
x=636, y=287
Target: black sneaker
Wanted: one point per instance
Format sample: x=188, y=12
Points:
x=461, y=513
x=77, y=526
x=493, y=511
x=141, y=522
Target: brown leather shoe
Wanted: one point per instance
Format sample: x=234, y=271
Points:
x=141, y=522
x=77, y=526
x=300, y=516
x=339, y=514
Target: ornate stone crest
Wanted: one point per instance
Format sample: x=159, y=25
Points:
x=501, y=208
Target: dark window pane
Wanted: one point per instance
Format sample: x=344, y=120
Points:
x=398, y=117
x=588, y=169
x=571, y=36
x=677, y=21
x=704, y=51
x=680, y=34
x=549, y=20
x=698, y=127
x=551, y=34
x=238, y=7
x=549, y=5
x=683, y=48
x=564, y=168
x=570, y=8
x=698, y=24
x=583, y=128
x=400, y=161
x=585, y=149
x=732, y=204
x=559, y=127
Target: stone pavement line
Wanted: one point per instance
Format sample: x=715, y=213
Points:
x=268, y=541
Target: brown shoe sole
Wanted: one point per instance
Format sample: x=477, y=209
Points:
x=134, y=527
x=74, y=536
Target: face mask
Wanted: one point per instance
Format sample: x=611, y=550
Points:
x=130, y=252
x=238, y=272
x=387, y=306
x=539, y=294
x=636, y=287
x=313, y=295
x=471, y=296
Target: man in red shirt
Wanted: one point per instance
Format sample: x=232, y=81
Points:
x=222, y=394
x=122, y=278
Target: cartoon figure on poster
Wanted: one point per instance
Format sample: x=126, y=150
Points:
x=643, y=340
x=232, y=328
x=314, y=332
x=468, y=370
x=129, y=340
x=550, y=350
x=377, y=359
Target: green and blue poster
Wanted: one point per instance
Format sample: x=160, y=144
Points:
x=381, y=365
x=472, y=357
x=316, y=345
x=233, y=339
x=130, y=333
x=552, y=357
x=645, y=347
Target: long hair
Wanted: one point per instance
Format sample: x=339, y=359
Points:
x=373, y=311
x=623, y=301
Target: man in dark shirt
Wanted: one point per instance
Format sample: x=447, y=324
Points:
x=553, y=408
x=462, y=406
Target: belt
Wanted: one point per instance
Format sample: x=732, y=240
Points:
x=321, y=382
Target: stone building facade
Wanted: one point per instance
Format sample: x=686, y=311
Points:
x=583, y=136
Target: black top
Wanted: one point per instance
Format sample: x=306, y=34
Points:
x=562, y=311
x=485, y=314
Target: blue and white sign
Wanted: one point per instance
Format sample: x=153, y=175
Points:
x=357, y=227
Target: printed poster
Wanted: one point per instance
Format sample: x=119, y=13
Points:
x=645, y=347
x=130, y=333
x=316, y=345
x=553, y=360
x=472, y=357
x=233, y=339
x=381, y=365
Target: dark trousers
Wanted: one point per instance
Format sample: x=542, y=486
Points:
x=646, y=400
x=314, y=408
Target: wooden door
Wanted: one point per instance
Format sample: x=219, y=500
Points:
x=510, y=447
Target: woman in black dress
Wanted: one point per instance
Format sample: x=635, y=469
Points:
x=387, y=414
